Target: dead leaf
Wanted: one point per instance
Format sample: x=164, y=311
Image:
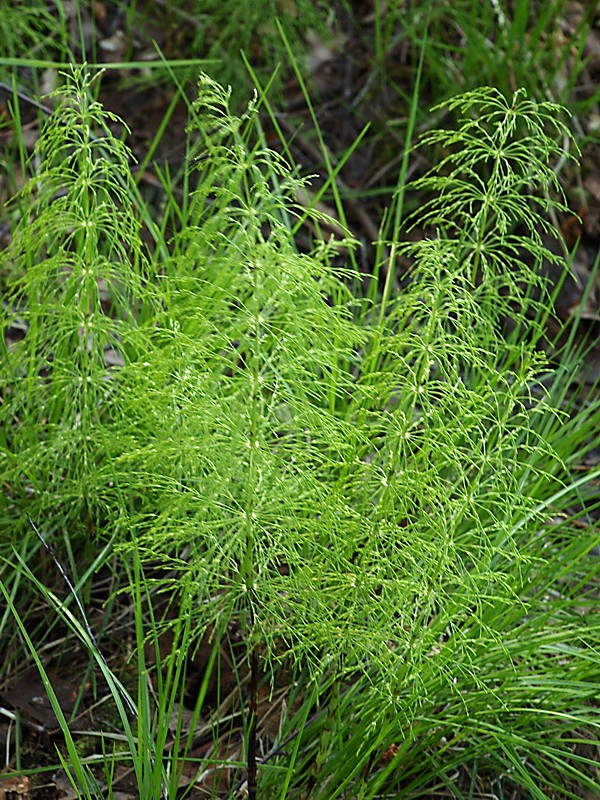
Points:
x=29, y=696
x=15, y=784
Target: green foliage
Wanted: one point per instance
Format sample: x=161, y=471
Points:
x=225, y=29
x=76, y=276
x=499, y=175
x=24, y=25
x=460, y=46
x=500, y=43
x=379, y=494
x=236, y=404
x=346, y=487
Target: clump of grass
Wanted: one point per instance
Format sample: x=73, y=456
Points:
x=224, y=31
x=509, y=45
x=22, y=28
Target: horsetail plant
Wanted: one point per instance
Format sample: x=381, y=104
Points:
x=341, y=488
x=373, y=495
x=76, y=276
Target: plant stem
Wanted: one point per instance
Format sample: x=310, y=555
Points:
x=252, y=719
